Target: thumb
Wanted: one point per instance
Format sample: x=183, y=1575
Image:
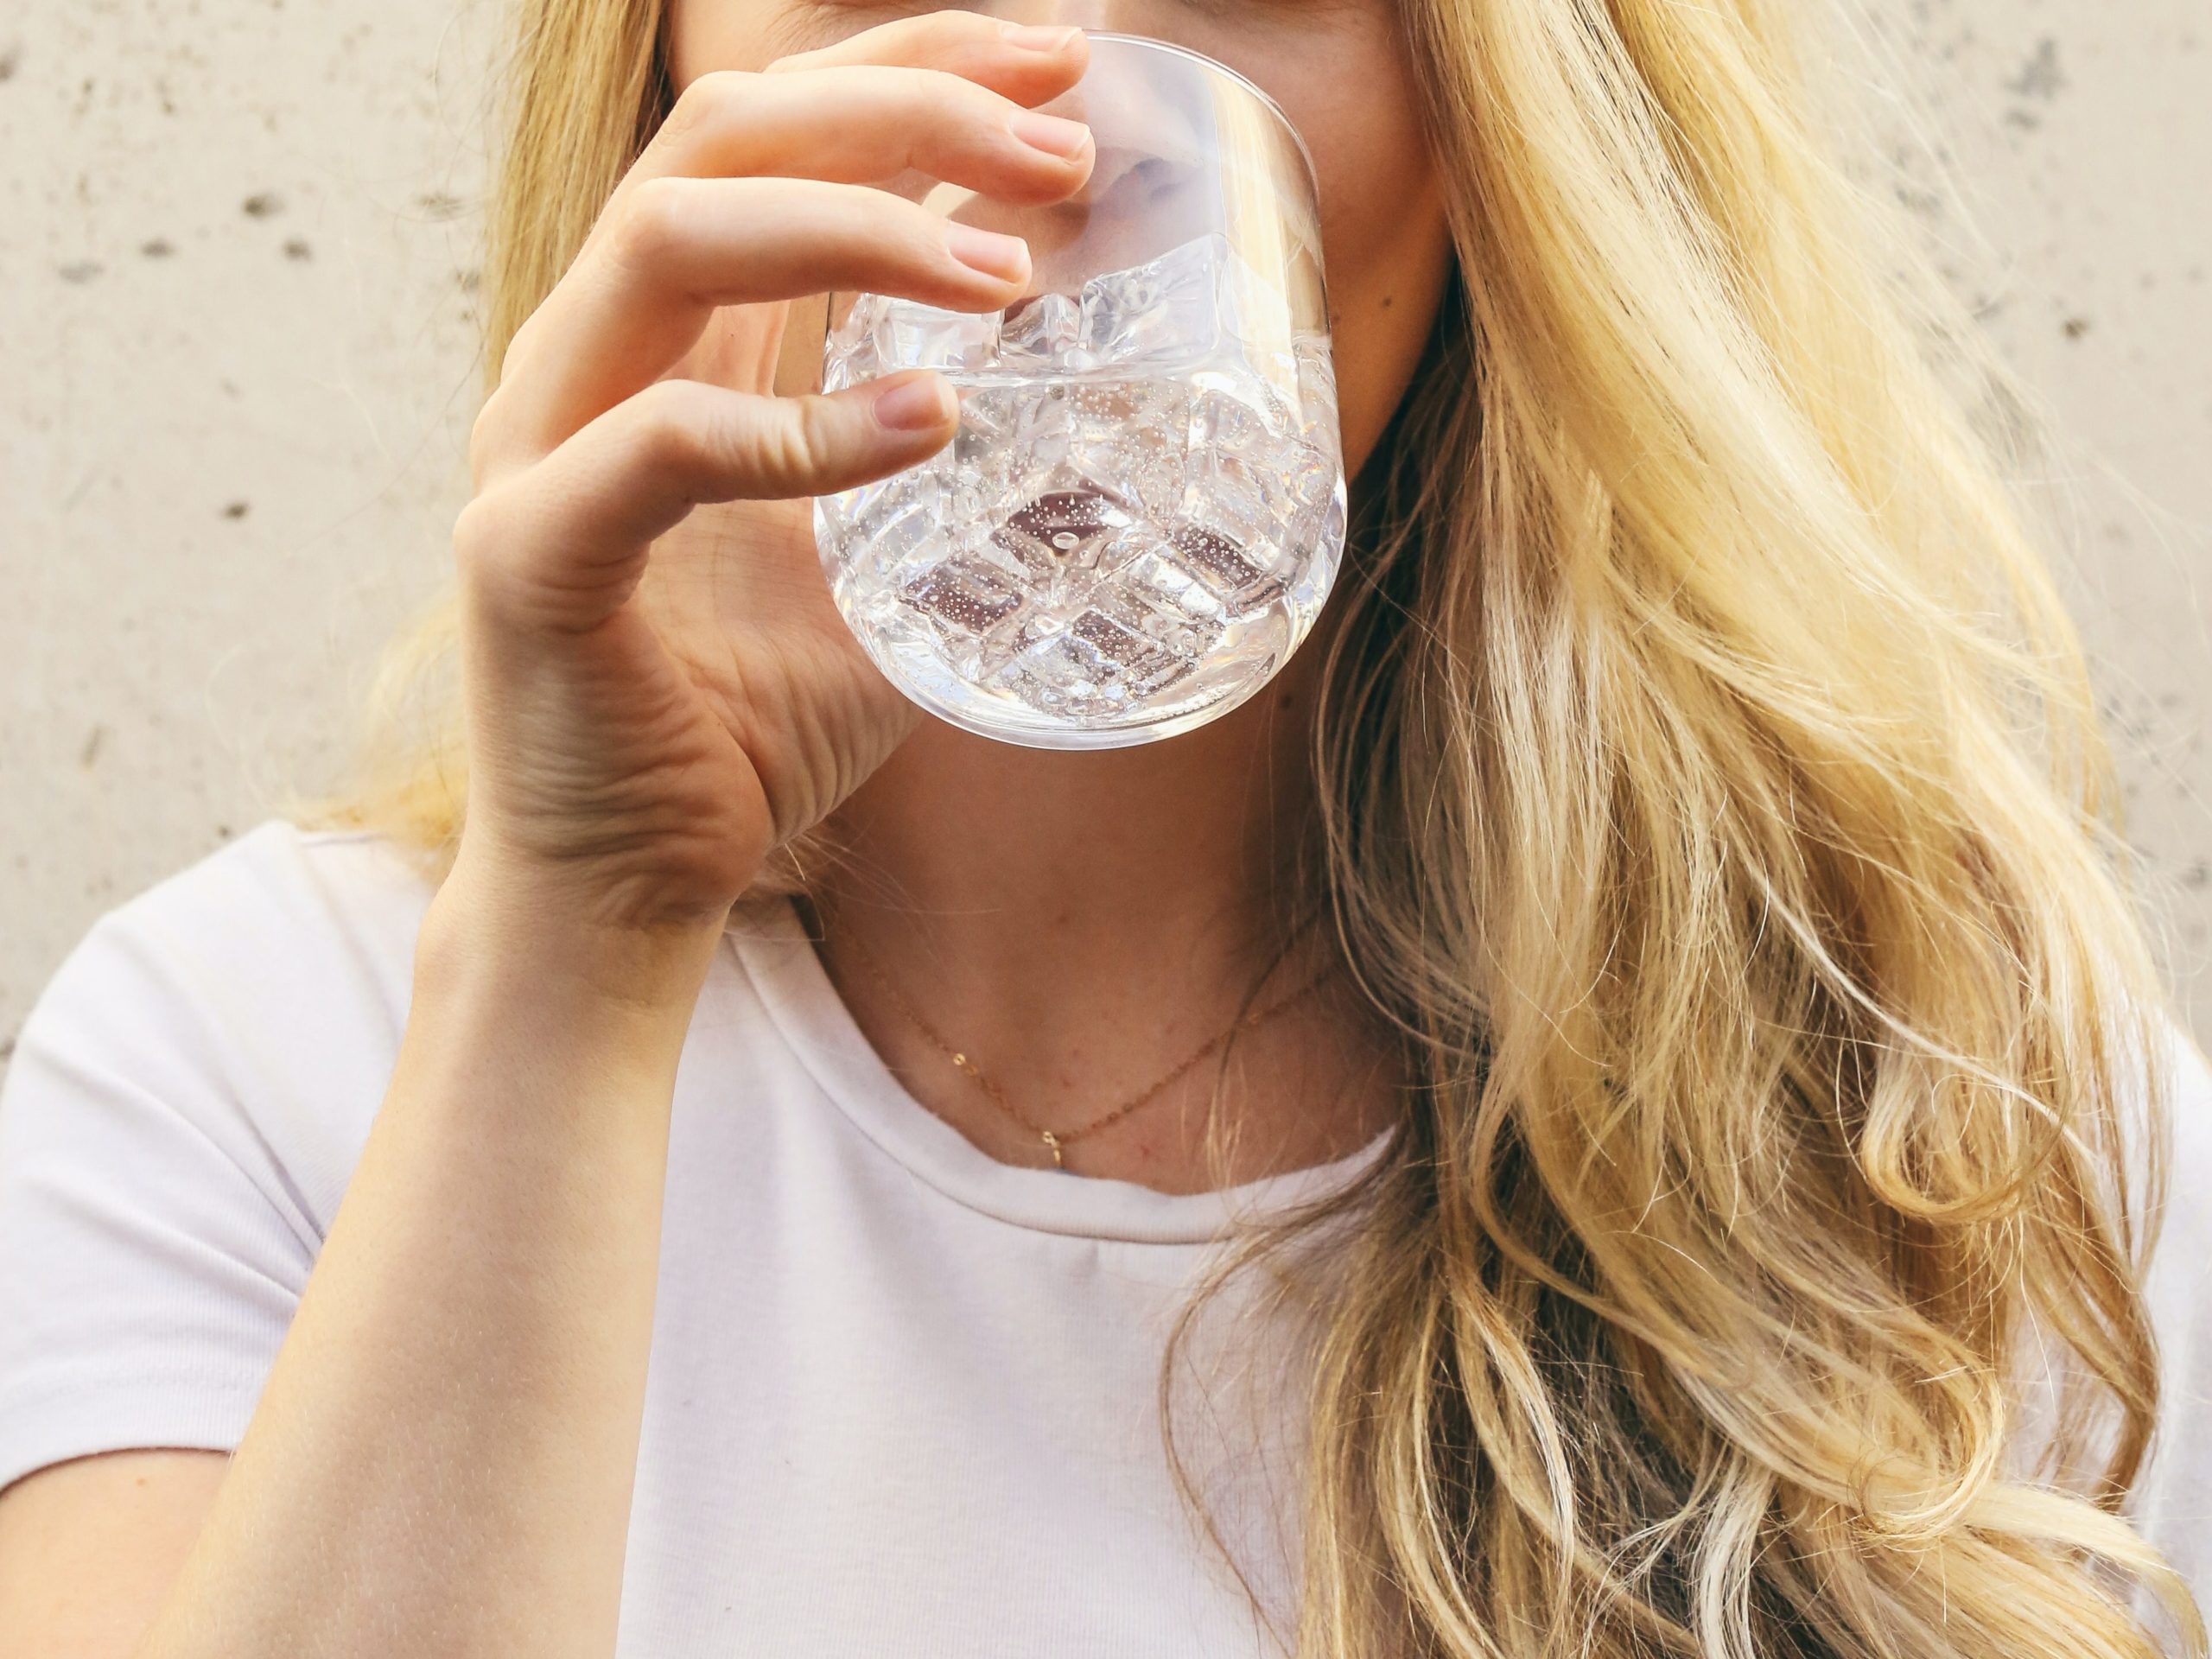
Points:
x=834, y=440
x=579, y=525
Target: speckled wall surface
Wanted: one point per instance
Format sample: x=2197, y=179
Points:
x=236, y=368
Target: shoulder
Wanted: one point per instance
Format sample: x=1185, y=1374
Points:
x=2171, y=1502
x=258, y=993
x=281, y=886
x=2180, y=1214
x=185, y=1106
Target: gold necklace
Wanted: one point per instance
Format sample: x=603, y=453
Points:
x=1057, y=1141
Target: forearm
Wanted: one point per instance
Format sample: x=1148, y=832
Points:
x=442, y=1458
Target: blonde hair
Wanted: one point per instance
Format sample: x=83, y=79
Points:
x=1713, y=796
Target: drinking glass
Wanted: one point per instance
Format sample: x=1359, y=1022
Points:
x=1143, y=508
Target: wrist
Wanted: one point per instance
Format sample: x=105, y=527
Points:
x=502, y=927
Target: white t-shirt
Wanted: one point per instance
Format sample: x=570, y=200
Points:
x=901, y=1398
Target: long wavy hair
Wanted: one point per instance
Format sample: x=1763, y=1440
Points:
x=1713, y=796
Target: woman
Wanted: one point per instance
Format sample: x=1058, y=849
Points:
x=1611, y=1110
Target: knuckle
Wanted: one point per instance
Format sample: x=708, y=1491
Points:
x=926, y=105
x=652, y=220
x=783, y=458
x=943, y=30
x=669, y=434
x=751, y=449
x=792, y=447
x=760, y=450
x=477, y=539
x=705, y=102
x=940, y=97
x=956, y=25
x=725, y=444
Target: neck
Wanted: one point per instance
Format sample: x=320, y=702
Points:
x=1107, y=853
x=1080, y=922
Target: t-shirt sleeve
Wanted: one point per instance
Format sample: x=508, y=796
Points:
x=2173, y=1502
x=183, y=1107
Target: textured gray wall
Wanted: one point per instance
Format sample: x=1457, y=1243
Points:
x=237, y=367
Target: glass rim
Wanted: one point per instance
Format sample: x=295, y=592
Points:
x=1123, y=38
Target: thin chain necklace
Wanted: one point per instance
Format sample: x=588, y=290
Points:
x=1057, y=1141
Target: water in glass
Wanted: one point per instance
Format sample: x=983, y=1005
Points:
x=1136, y=523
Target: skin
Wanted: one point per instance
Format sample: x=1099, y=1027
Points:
x=658, y=692
x=1029, y=899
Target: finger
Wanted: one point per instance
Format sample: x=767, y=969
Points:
x=564, y=544
x=860, y=123
x=915, y=121
x=1027, y=62
x=864, y=122
x=626, y=316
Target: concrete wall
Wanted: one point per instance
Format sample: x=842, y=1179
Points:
x=237, y=367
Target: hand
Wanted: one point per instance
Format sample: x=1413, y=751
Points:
x=656, y=687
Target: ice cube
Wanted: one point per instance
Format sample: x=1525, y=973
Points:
x=1258, y=308
x=1271, y=380
x=1055, y=539
x=1167, y=310
x=1126, y=636
x=890, y=525
x=1317, y=388
x=1176, y=608
x=1040, y=331
x=1253, y=475
x=1131, y=437
x=1229, y=453
x=962, y=597
x=909, y=335
x=1065, y=522
x=1310, y=473
x=984, y=461
x=1038, y=441
x=1102, y=665
x=851, y=353
x=1224, y=565
x=1011, y=441
x=1102, y=547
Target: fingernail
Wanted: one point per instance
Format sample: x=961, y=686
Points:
x=1006, y=257
x=1050, y=133
x=1037, y=37
x=914, y=405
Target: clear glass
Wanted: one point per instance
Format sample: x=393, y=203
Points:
x=1143, y=509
